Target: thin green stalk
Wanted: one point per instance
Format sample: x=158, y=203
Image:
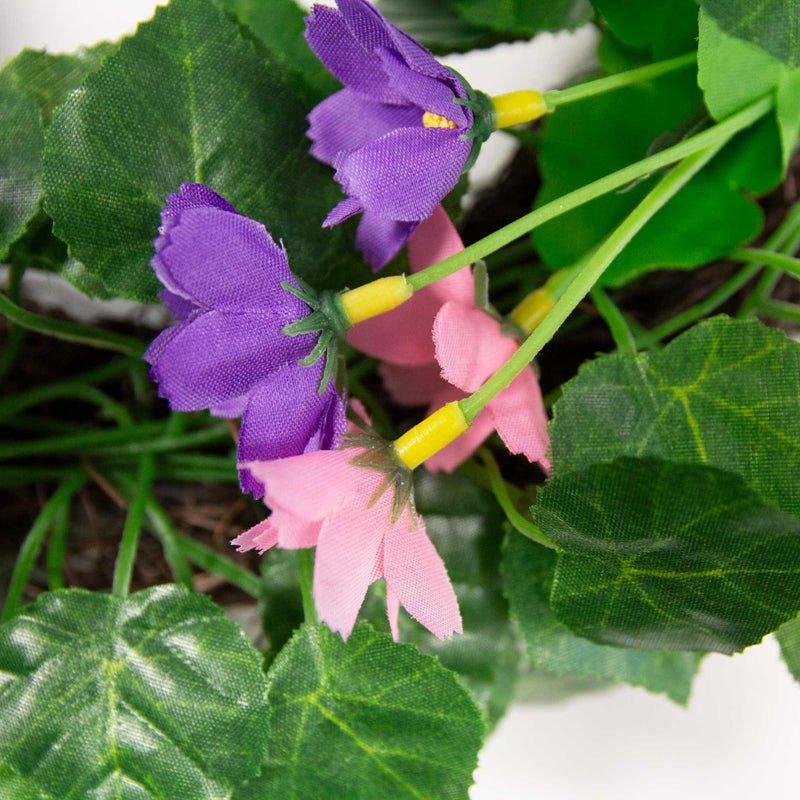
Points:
x=778, y=309
x=123, y=568
x=561, y=97
x=73, y=390
x=500, y=491
x=205, y=558
x=713, y=137
x=71, y=331
x=614, y=318
x=19, y=476
x=33, y=541
x=779, y=261
x=305, y=572
x=666, y=188
x=15, y=333
x=160, y=524
x=210, y=435
x=57, y=548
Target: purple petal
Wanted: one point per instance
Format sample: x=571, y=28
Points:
x=194, y=195
x=345, y=55
x=230, y=409
x=342, y=211
x=420, y=59
x=332, y=423
x=380, y=238
x=366, y=23
x=181, y=307
x=429, y=94
x=227, y=262
x=346, y=120
x=405, y=174
x=217, y=357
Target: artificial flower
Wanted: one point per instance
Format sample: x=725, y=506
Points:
x=323, y=499
x=395, y=134
x=222, y=274
x=439, y=346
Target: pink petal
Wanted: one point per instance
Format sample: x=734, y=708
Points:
x=403, y=335
x=260, y=537
x=412, y=386
x=520, y=418
x=294, y=533
x=469, y=345
x=348, y=552
x=416, y=575
x=392, y=612
x=459, y=450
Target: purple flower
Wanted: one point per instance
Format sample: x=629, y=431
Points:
x=394, y=133
x=222, y=274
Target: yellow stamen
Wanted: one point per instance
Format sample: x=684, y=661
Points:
x=431, y=435
x=431, y=120
x=517, y=107
x=533, y=309
x=375, y=297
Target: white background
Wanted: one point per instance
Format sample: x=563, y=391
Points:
x=739, y=738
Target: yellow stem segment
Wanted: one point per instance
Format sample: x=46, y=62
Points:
x=533, y=309
x=431, y=435
x=375, y=298
x=515, y=108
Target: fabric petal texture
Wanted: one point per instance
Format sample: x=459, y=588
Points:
x=223, y=276
x=373, y=132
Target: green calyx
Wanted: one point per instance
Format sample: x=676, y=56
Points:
x=484, y=118
x=380, y=456
x=327, y=317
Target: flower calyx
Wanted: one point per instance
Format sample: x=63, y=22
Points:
x=484, y=121
x=328, y=318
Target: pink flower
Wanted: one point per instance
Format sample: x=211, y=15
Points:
x=439, y=346
x=322, y=499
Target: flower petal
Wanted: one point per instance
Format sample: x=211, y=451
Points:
x=342, y=211
x=217, y=357
x=520, y=418
x=380, y=239
x=469, y=345
x=346, y=120
x=405, y=174
x=416, y=575
x=260, y=537
x=413, y=385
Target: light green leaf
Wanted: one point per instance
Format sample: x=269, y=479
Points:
x=221, y=115
x=773, y=25
x=524, y=17
x=788, y=636
x=669, y=556
x=787, y=110
x=528, y=576
x=365, y=719
x=155, y=696
x=726, y=393
x=279, y=25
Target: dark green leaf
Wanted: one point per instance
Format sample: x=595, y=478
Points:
x=725, y=393
x=528, y=575
x=773, y=25
x=365, y=719
x=669, y=556
x=667, y=28
x=788, y=636
x=523, y=16
x=156, y=696
x=279, y=25
x=21, y=143
x=187, y=99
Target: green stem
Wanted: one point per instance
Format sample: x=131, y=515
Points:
x=779, y=261
x=777, y=309
x=617, y=324
x=57, y=548
x=123, y=568
x=561, y=97
x=161, y=525
x=500, y=491
x=71, y=331
x=714, y=137
x=305, y=572
x=15, y=333
x=666, y=188
x=33, y=541
x=74, y=390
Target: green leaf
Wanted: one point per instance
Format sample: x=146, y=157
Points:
x=528, y=575
x=365, y=719
x=21, y=143
x=669, y=556
x=726, y=393
x=279, y=25
x=523, y=16
x=221, y=115
x=787, y=110
x=158, y=695
x=667, y=28
x=773, y=25
x=788, y=636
